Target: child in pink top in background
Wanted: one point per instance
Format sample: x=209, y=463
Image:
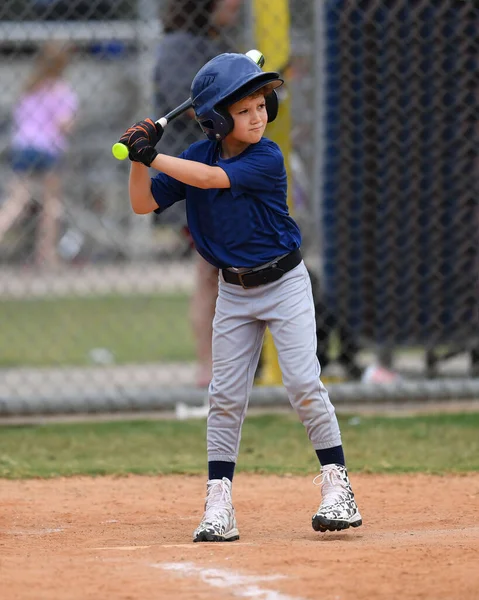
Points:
x=42, y=121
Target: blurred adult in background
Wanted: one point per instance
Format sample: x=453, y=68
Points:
x=43, y=117
x=194, y=32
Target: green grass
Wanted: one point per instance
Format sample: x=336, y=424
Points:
x=136, y=329
x=270, y=444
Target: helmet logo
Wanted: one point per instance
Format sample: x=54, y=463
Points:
x=205, y=81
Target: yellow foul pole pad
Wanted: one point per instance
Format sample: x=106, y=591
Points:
x=271, y=25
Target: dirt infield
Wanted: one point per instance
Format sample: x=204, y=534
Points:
x=130, y=538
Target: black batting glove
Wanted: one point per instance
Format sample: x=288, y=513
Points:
x=142, y=129
x=142, y=152
x=139, y=136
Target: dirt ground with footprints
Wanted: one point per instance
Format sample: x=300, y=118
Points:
x=130, y=538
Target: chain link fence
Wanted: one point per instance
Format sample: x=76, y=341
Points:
x=379, y=127
x=399, y=211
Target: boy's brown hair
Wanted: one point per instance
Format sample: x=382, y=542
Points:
x=263, y=91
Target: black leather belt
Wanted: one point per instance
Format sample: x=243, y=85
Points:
x=273, y=272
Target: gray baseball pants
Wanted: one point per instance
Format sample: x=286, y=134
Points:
x=286, y=307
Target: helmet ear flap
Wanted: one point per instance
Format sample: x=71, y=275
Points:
x=229, y=121
x=217, y=127
x=272, y=105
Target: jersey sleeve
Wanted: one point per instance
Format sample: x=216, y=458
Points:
x=166, y=190
x=259, y=171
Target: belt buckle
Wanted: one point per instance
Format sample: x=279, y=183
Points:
x=243, y=285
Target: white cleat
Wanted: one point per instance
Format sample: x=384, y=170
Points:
x=338, y=509
x=219, y=522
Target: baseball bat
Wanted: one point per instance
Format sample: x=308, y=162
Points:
x=120, y=151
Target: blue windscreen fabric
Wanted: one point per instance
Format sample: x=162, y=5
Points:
x=400, y=224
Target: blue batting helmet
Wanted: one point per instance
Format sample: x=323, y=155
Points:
x=224, y=80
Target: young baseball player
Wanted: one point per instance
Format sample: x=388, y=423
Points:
x=234, y=183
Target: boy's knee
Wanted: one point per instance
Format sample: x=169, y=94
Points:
x=302, y=385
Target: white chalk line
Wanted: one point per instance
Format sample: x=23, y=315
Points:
x=191, y=545
x=235, y=583
x=46, y=531
x=121, y=547
x=229, y=546
x=110, y=521
x=409, y=536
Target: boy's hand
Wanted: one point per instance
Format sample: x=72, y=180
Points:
x=142, y=129
x=138, y=137
x=143, y=152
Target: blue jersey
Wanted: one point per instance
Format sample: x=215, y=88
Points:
x=245, y=225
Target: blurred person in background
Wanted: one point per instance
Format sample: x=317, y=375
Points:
x=42, y=121
x=195, y=31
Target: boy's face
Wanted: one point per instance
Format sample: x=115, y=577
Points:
x=250, y=118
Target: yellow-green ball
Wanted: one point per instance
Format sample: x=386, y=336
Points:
x=119, y=151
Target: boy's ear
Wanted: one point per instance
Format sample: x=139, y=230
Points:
x=272, y=105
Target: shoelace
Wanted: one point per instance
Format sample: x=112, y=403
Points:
x=219, y=508
x=333, y=488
